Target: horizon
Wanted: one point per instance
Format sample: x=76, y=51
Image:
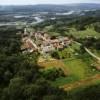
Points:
x=47, y=2
x=43, y=4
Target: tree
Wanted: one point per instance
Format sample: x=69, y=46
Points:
x=53, y=74
x=55, y=54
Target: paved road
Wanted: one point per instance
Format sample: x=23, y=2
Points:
x=90, y=53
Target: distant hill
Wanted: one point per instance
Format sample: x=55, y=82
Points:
x=50, y=8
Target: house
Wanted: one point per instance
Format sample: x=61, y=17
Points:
x=42, y=42
x=47, y=48
x=28, y=46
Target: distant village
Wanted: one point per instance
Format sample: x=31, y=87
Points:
x=43, y=42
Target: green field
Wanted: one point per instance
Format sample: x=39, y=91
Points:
x=77, y=69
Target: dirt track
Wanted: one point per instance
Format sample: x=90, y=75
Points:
x=80, y=83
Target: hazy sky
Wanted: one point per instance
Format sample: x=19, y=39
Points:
x=26, y=2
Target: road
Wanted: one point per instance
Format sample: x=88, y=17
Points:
x=90, y=53
x=34, y=45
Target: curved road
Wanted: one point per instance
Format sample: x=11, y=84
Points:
x=89, y=52
x=93, y=55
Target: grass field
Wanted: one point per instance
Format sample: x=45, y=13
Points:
x=77, y=70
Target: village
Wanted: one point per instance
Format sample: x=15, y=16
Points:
x=42, y=42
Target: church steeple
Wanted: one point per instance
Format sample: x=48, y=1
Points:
x=25, y=31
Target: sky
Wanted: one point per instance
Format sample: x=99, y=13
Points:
x=30, y=2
